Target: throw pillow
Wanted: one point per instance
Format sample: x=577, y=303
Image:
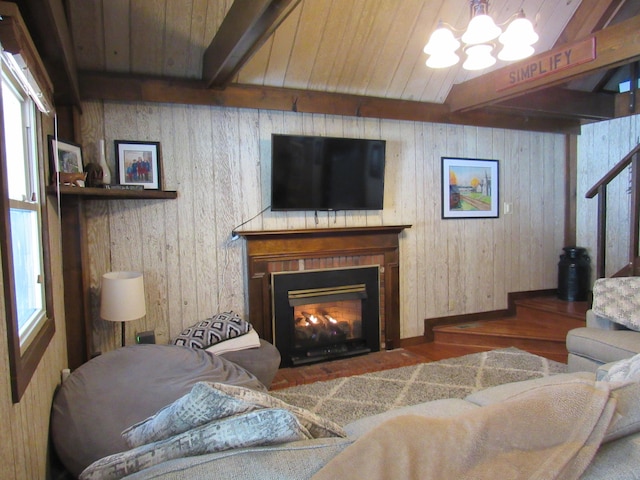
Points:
x=209, y=401
x=216, y=329
x=618, y=299
x=262, y=427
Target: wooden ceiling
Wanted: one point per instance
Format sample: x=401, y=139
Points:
x=355, y=57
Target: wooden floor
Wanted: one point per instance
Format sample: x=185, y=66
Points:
x=540, y=326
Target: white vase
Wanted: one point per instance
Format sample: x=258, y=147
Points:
x=106, y=173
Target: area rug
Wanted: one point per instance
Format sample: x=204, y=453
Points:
x=346, y=399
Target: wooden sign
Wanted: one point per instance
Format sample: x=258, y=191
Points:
x=546, y=64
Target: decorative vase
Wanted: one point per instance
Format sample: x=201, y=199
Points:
x=106, y=173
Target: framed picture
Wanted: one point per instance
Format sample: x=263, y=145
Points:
x=65, y=157
x=470, y=188
x=138, y=163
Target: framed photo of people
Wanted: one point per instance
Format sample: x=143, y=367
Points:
x=138, y=163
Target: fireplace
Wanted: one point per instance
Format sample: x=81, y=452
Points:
x=321, y=315
x=274, y=252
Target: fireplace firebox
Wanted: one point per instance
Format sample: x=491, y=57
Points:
x=322, y=315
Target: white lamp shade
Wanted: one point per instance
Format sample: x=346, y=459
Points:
x=478, y=57
x=481, y=29
x=122, y=296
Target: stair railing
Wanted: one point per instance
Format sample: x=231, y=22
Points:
x=600, y=189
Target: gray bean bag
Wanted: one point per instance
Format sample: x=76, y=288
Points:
x=115, y=390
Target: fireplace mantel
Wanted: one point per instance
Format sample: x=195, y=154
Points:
x=270, y=251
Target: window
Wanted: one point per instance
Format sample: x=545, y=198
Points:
x=29, y=327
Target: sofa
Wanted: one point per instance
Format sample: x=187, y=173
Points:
x=573, y=425
x=612, y=330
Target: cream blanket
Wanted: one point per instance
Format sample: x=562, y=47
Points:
x=549, y=432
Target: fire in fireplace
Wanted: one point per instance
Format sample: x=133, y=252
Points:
x=321, y=315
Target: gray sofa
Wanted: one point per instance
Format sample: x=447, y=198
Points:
x=601, y=341
x=617, y=457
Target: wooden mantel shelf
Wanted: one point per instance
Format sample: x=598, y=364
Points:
x=324, y=231
x=113, y=193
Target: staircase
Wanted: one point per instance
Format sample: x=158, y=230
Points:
x=539, y=326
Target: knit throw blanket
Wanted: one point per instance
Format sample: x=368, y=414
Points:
x=618, y=299
x=543, y=433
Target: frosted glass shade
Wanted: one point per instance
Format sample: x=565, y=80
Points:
x=481, y=29
x=442, y=60
x=441, y=41
x=479, y=57
x=519, y=32
x=515, y=52
x=122, y=296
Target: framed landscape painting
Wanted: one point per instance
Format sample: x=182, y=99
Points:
x=470, y=188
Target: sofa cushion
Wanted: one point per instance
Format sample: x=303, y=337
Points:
x=435, y=409
x=218, y=328
x=119, y=388
x=289, y=461
x=603, y=346
x=211, y=401
x=503, y=392
x=261, y=427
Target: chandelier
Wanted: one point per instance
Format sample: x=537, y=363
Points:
x=479, y=40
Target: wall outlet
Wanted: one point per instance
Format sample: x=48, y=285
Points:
x=452, y=305
x=507, y=208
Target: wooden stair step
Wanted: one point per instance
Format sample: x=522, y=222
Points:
x=551, y=308
x=540, y=326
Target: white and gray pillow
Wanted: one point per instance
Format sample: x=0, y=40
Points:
x=210, y=401
x=258, y=428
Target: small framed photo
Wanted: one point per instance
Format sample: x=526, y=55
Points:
x=65, y=157
x=138, y=163
x=470, y=188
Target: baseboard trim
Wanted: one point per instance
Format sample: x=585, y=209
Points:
x=512, y=298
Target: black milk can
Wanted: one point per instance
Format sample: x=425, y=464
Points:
x=574, y=274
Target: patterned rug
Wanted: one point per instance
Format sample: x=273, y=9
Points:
x=346, y=399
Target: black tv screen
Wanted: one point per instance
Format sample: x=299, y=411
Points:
x=325, y=173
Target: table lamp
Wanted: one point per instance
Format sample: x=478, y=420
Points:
x=122, y=298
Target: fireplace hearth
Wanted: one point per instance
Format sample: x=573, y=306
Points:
x=326, y=314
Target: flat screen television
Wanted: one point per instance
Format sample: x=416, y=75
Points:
x=326, y=173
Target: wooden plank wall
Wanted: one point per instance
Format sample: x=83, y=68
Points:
x=600, y=147
x=24, y=438
x=219, y=161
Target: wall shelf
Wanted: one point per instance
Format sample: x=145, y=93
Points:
x=113, y=193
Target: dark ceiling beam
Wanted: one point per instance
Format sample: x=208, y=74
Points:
x=589, y=17
x=127, y=88
x=47, y=23
x=566, y=103
x=614, y=46
x=247, y=25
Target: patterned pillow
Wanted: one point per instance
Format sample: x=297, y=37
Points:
x=213, y=330
x=259, y=428
x=210, y=401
